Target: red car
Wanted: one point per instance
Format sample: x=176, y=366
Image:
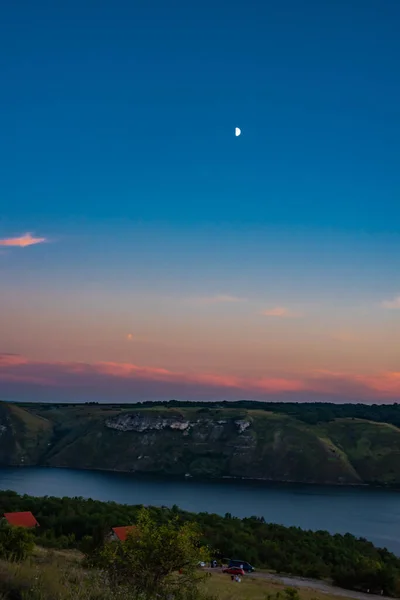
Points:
x=234, y=571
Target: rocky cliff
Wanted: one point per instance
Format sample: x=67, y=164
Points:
x=212, y=443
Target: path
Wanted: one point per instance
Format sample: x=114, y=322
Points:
x=314, y=584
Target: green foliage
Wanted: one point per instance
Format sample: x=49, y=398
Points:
x=309, y=412
x=372, y=576
x=155, y=559
x=16, y=543
x=350, y=561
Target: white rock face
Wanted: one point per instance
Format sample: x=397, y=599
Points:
x=137, y=422
x=3, y=428
x=202, y=428
x=242, y=425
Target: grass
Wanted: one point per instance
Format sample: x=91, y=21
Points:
x=58, y=575
x=250, y=588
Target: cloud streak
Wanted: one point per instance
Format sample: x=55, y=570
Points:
x=22, y=241
x=279, y=312
x=112, y=380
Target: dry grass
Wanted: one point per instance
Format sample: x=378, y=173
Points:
x=58, y=575
x=49, y=575
x=250, y=588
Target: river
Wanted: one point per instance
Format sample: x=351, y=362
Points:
x=365, y=512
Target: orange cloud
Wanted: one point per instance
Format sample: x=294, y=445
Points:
x=392, y=304
x=280, y=312
x=130, y=379
x=22, y=241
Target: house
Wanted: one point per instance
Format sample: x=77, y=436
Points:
x=120, y=533
x=21, y=519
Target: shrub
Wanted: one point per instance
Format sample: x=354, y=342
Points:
x=16, y=543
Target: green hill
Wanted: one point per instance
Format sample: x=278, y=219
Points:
x=292, y=443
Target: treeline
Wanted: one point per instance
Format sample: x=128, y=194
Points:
x=350, y=562
x=309, y=412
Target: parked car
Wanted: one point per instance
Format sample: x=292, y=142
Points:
x=234, y=571
x=241, y=564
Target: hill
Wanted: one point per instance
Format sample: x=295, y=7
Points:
x=305, y=443
x=54, y=574
x=79, y=524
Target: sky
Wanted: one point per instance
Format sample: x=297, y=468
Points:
x=146, y=253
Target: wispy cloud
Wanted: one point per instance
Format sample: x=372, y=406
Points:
x=393, y=304
x=280, y=312
x=132, y=381
x=218, y=299
x=22, y=241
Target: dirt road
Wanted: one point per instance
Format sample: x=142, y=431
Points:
x=314, y=584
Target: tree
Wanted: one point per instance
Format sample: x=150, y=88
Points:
x=16, y=543
x=156, y=560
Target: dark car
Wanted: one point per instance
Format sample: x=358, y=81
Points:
x=234, y=571
x=241, y=564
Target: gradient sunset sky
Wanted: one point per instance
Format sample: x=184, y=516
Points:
x=147, y=253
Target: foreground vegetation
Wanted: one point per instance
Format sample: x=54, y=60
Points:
x=75, y=523
x=305, y=443
x=58, y=575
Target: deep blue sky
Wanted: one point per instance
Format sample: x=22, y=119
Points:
x=183, y=261
x=127, y=109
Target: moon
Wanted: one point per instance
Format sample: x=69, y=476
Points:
x=237, y=131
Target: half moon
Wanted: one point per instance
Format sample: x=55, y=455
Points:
x=237, y=131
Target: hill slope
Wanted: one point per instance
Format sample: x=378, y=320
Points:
x=210, y=442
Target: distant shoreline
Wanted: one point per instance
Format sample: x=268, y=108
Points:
x=227, y=479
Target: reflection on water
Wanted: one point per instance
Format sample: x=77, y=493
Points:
x=370, y=513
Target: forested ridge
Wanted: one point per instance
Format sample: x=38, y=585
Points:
x=309, y=412
x=284, y=442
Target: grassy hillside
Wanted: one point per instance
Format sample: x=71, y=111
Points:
x=84, y=525
x=51, y=575
x=205, y=441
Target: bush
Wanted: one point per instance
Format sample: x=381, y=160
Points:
x=16, y=543
x=155, y=561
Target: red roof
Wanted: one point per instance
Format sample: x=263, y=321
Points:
x=122, y=532
x=21, y=519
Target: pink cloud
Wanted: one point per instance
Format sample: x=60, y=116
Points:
x=385, y=384
x=137, y=381
x=280, y=312
x=12, y=360
x=22, y=241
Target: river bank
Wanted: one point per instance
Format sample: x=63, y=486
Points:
x=372, y=513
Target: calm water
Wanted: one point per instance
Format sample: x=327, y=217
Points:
x=370, y=513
